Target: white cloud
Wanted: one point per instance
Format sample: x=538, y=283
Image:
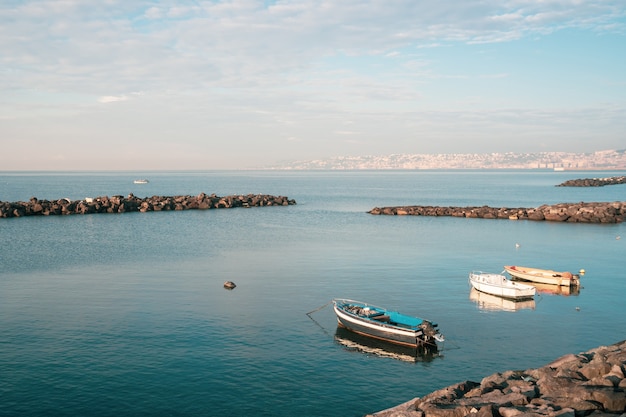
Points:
x=112, y=99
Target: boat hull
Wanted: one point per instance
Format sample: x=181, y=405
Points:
x=497, y=284
x=542, y=276
x=385, y=331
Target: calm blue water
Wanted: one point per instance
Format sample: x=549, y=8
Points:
x=126, y=315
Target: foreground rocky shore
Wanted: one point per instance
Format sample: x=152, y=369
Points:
x=590, y=383
x=614, y=212
x=120, y=204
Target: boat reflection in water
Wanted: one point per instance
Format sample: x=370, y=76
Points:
x=556, y=289
x=367, y=345
x=493, y=302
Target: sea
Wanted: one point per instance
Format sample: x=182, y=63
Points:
x=127, y=315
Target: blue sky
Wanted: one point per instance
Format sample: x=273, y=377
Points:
x=121, y=85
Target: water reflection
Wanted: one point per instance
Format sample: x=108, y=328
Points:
x=493, y=302
x=367, y=345
x=556, y=289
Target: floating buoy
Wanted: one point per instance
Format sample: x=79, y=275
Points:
x=577, y=308
x=517, y=245
x=229, y=285
x=581, y=272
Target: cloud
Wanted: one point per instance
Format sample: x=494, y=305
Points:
x=254, y=71
x=88, y=47
x=112, y=99
x=123, y=97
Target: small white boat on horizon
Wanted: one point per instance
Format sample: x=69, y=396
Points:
x=498, y=284
x=141, y=181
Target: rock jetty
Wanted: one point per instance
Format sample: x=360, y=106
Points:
x=593, y=182
x=131, y=203
x=587, y=384
x=614, y=212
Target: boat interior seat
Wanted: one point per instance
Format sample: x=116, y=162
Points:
x=381, y=317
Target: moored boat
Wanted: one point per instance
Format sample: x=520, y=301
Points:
x=380, y=323
x=543, y=276
x=141, y=181
x=498, y=284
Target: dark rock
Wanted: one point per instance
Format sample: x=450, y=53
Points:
x=612, y=212
x=593, y=182
x=587, y=384
x=119, y=204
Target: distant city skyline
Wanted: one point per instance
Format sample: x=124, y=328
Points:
x=599, y=160
x=239, y=84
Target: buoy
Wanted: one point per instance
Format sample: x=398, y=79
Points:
x=577, y=308
x=229, y=285
x=517, y=245
x=581, y=272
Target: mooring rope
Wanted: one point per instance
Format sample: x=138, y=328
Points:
x=319, y=308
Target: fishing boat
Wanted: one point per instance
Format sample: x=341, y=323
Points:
x=498, y=284
x=542, y=276
x=141, y=181
x=380, y=323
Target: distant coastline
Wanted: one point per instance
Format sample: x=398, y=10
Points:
x=607, y=160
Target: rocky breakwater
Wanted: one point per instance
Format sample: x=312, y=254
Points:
x=587, y=384
x=614, y=212
x=131, y=203
x=594, y=182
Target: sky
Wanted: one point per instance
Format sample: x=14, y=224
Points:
x=238, y=84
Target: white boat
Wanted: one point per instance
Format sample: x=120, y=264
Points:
x=141, y=181
x=380, y=323
x=498, y=284
x=542, y=276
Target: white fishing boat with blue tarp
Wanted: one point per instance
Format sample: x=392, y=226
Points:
x=387, y=325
